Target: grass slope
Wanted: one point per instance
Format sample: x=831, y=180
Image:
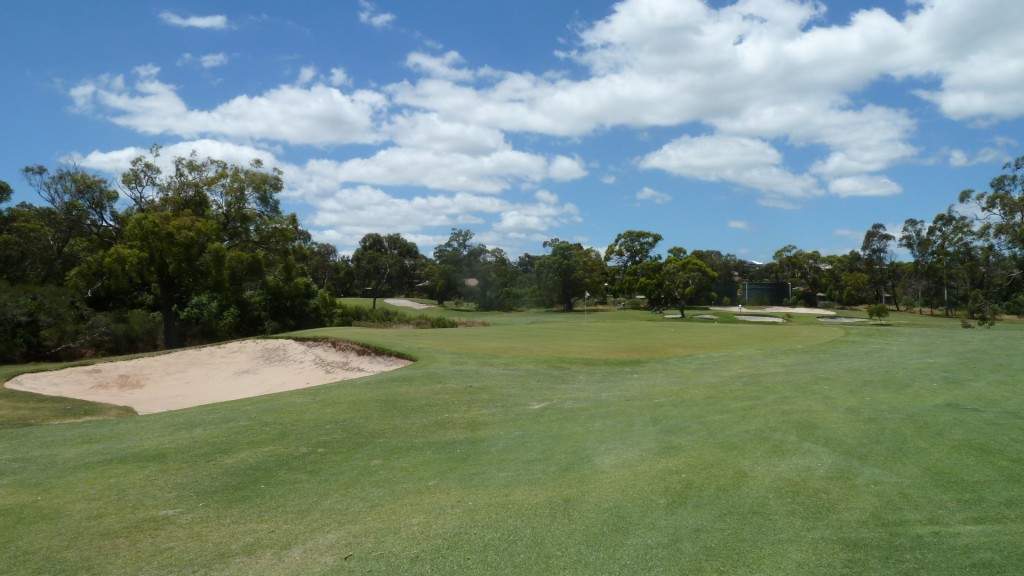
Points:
x=559, y=444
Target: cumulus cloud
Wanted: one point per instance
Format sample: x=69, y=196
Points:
x=117, y=161
x=316, y=115
x=781, y=97
x=744, y=161
x=339, y=77
x=864, y=186
x=205, y=60
x=445, y=66
x=651, y=195
x=369, y=15
x=216, y=22
x=487, y=173
x=988, y=154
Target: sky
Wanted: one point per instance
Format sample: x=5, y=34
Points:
x=738, y=126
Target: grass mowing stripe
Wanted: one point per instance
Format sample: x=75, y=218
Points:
x=796, y=449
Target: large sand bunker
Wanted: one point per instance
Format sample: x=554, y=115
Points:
x=210, y=374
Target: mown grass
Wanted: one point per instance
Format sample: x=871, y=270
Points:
x=612, y=443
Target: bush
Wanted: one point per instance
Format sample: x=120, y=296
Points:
x=878, y=311
x=387, y=317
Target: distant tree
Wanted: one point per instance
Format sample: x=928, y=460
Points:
x=1002, y=207
x=805, y=270
x=878, y=257
x=5, y=192
x=384, y=264
x=687, y=279
x=918, y=243
x=458, y=262
x=628, y=254
x=878, y=311
x=497, y=283
x=569, y=271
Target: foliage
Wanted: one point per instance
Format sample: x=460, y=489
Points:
x=687, y=279
x=878, y=312
x=569, y=272
x=386, y=317
x=631, y=255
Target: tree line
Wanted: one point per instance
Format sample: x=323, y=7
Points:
x=203, y=253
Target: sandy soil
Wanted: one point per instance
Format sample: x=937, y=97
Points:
x=210, y=374
x=776, y=309
x=407, y=303
x=760, y=318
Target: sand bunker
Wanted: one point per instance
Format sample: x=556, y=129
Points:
x=776, y=309
x=210, y=374
x=406, y=303
x=760, y=318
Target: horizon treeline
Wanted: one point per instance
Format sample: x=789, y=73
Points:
x=204, y=253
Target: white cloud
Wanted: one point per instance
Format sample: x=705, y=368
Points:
x=206, y=60
x=339, y=77
x=565, y=168
x=747, y=162
x=117, y=161
x=488, y=173
x=864, y=186
x=306, y=75
x=370, y=15
x=960, y=159
x=653, y=196
x=213, y=60
x=540, y=217
x=738, y=224
x=317, y=115
x=443, y=67
x=430, y=131
x=217, y=22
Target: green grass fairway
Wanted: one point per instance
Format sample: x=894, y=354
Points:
x=607, y=443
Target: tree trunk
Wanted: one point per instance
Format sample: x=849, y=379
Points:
x=166, y=286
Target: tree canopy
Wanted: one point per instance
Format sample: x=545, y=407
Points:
x=201, y=251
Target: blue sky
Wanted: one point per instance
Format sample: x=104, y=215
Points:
x=737, y=126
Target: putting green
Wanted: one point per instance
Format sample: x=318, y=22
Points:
x=593, y=339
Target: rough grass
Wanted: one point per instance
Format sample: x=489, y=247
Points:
x=616, y=443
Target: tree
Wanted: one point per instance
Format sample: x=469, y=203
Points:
x=1002, y=207
x=568, y=272
x=687, y=279
x=457, y=265
x=5, y=192
x=878, y=311
x=804, y=269
x=384, y=264
x=918, y=243
x=628, y=254
x=953, y=239
x=878, y=257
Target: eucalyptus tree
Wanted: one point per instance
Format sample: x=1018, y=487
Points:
x=385, y=264
x=914, y=238
x=631, y=255
x=686, y=279
x=569, y=272
x=1000, y=212
x=878, y=257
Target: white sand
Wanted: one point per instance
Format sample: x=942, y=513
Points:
x=776, y=309
x=210, y=374
x=760, y=318
x=407, y=303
